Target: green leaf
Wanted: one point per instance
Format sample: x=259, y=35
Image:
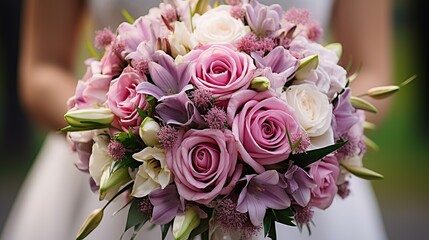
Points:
x=127, y=16
x=135, y=216
x=359, y=103
x=142, y=113
x=127, y=162
x=272, y=233
x=362, y=172
x=164, y=229
x=78, y=129
x=309, y=157
x=284, y=216
x=149, y=98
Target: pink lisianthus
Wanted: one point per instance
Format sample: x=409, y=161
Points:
x=221, y=69
x=259, y=121
x=91, y=90
x=133, y=34
x=123, y=100
x=204, y=164
x=325, y=174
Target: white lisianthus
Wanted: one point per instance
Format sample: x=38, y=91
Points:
x=152, y=174
x=100, y=158
x=181, y=40
x=312, y=108
x=148, y=132
x=218, y=26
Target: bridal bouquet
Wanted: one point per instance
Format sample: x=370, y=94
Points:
x=218, y=120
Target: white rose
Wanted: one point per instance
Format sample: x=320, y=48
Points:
x=152, y=174
x=312, y=108
x=218, y=26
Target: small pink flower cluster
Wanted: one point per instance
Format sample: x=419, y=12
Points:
x=223, y=127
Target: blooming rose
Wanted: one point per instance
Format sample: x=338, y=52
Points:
x=123, y=99
x=260, y=121
x=204, y=164
x=312, y=108
x=218, y=26
x=221, y=69
x=325, y=174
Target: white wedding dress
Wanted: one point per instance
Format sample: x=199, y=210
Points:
x=55, y=198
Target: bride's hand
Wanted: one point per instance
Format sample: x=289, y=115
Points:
x=46, y=80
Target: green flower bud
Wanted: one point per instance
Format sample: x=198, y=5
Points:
x=359, y=103
x=184, y=224
x=112, y=181
x=336, y=47
x=383, y=91
x=148, y=132
x=89, y=117
x=91, y=222
x=305, y=66
x=260, y=84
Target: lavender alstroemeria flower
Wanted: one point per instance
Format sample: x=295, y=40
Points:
x=262, y=192
x=344, y=114
x=179, y=110
x=299, y=184
x=166, y=204
x=143, y=53
x=262, y=19
x=168, y=77
x=280, y=64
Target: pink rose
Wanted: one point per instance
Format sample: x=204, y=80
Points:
x=123, y=99
x=221, y=69
x=325, y=174
x=204, y=164
x=259, y=121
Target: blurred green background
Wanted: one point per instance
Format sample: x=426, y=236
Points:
x=403, y=137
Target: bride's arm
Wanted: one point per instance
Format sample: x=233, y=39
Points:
x=46, y=80
x=364, y=29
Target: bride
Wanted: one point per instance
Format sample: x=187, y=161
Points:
x=56, y=199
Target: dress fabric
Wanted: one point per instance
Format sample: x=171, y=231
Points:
x=55, y=197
